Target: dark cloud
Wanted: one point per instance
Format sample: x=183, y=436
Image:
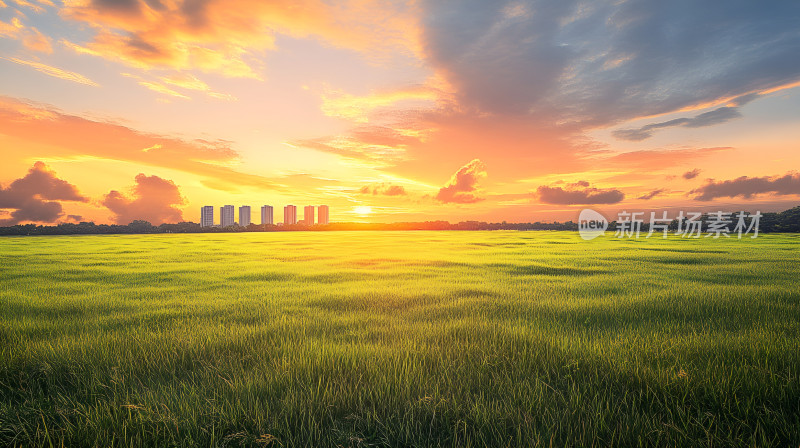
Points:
x=121, y=6
x=35, y=197
x=716, y=116
x=747, y=187
x=383, y=189
x=463, y=185
x=152, y=199
x=578, y=193
x=652, y=194
x=74, y=218
x=598, y=63
x=691, y=174
x=525, y=80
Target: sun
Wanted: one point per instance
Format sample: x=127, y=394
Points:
x=362, y=210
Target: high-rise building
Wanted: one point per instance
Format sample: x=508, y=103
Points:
x=244, y=215
x=266, y=214
x=289, y=215
x=308, y=215
x=207, y=216
x=322, y=215
x=226, y=216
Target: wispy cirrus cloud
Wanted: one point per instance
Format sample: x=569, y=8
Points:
x=37, y=6
x=383, y=189
x=359, y=109
x=31, y=37
x=162, y=89
x=227, y=37
x=72, y=136
x=190, y=82
x=54, y=71
x=716, y=116
x=705, y=119
x=168, y=85
x=377, y=145
x=650, y=195
x=662, y=158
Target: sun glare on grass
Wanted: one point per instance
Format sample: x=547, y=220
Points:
x=362, y=210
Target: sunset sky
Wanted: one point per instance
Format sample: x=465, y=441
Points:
x=113, y=110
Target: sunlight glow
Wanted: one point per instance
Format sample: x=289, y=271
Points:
x=362, y=210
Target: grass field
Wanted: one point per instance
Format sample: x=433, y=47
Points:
x=399, y=339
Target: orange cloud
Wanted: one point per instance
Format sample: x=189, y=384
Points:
x=71, y=136
x=36, y=196
x=463, y=185
x=376, y=154
x=339, y=104
x=190, y=82
x=31, y=37
x=223, y=36
x=184, y=81
x=36, y=5
x=160, y=88
x=11, y=30
x=661, y=158
x=153, y=199
x=383, y=189
x=37, y=41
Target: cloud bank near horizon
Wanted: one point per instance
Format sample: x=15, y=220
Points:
x=37, y=196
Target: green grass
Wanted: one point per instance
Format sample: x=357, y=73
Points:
x=399, y=339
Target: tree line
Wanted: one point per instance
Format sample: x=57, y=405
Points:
x=786, y=221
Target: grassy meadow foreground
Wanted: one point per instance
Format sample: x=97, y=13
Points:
x=399, y=339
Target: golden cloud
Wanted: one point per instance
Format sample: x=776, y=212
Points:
x=224, y=36
x=55, y=71
x=31, y=37
x=36, y=41
x=56, y=134
x=336, y=103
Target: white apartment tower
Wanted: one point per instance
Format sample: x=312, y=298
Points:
x=226, y=216
x=289, y=215
x=266, y=214
x=244, y=215
x=207, y=216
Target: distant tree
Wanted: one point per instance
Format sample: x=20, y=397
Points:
x=785, y=221
x=789, y=220
x=139, y=226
